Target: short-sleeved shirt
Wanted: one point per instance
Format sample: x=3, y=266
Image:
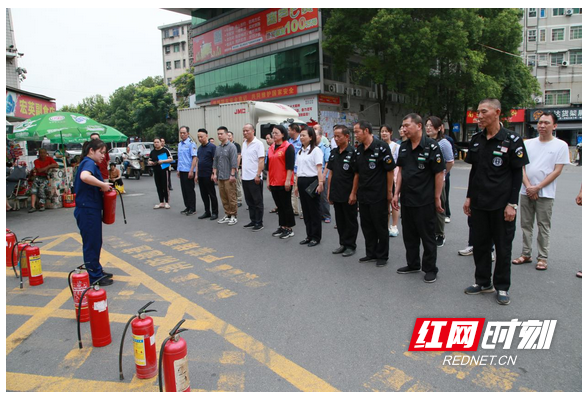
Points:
x=543, y=157
x=225, y=159
x=373, y=164
x=306, y=162
x=154, y=156
x=104, y=166
x=186, y=151
x=494, y=163
x=205, y=157
x=42, y=164
x=250, y=156
x=447, y=151
x=88, y=196
x=342, y=167
x=59, y=160
x=419, y=168
x=326, y=152
x=297, y=146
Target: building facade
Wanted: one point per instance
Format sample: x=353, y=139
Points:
x=552, y=47
x=176, y=52
x=276, y=55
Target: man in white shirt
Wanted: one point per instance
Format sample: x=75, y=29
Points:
x=547, y=156
x=252, y=158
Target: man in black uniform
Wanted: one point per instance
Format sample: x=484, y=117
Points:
x=497, y=156
x=419, y=182
x=375, y=176
x=340, y=189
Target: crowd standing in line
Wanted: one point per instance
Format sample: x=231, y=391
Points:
x=370, y=179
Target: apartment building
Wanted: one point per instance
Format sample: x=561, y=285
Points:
x=176, y=52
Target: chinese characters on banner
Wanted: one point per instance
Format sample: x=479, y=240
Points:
x=265, y=26
x=259, y=95
x=516, y=115
x=23, y=106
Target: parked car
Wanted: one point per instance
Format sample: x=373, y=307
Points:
x=116, y=154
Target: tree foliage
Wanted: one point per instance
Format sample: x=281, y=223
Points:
x=144, y=109
x=185, y=87
x=445, y=60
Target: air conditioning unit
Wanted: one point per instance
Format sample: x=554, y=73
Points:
x=373, y=95
x=538, y=99
x=357, y=92
x=564, y=63
x=335, y=88
x=393, y=97
x=569, y=12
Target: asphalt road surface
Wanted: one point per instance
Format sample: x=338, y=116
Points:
x=266, y=314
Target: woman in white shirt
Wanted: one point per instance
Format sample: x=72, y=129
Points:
x=309, y=174
x=386, y=135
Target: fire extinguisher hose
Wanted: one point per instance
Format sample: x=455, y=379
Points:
x=18, y=256
x=172, y=334
x=122, y=204
x=12, y=253
x=122, y=341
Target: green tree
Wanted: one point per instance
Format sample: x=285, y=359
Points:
x=185, y=87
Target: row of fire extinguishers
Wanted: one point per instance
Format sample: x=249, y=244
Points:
x=91, y=304
x=26, y=256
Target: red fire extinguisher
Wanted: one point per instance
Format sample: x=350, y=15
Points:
x=30, y=262
x=143, y=344
x=109, y=209
x=99, y=321
x=79, y=280
x=174, y=357
x=11, y=251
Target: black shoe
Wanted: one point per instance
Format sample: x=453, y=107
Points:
x=408, y=270
x=313, y=243
x=339, y=250
x=430, y=277
x=214, y=217
x=239, y=204
x=257, y=228
x=249, y=225
x=191, y=212
x=348, y=252
x=105, y=282
x=205, y=215
x=440, y=240
x=278, y=232
x=108, y=275
x=171, y=189
x=381, y=263
x=305, y=241
x=477, y=289
x=185, y=211
x=502, y=297
x=287, y=233
x=366, y=259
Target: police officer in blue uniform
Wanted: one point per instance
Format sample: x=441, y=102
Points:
x=88, y=185
x=497, y=156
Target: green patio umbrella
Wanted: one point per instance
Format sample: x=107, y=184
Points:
x=113, y=135
x=58, y=127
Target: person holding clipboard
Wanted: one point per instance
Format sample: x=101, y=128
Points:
x=160, y=159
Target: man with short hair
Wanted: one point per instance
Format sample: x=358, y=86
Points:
x=419, y=184
x=238, y=173
x=205, y=156
x=547, y=155
x=253, y=156
x=105, y=162
x=375, y=176
x=294, y=139
x=42, y=165
x=324, y=203
x=187, y=164
x=497, y=156
x=224, y=168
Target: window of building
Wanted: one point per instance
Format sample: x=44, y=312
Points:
x=167, y=49
x=542, y=12
x=177, y=64
x=575, y=57
x=330, y=72
x=184, y=63
x=576, y=32
x=176, y=32
x=201, y=15
x=168, y=65
x=182, y=30
x=165, y=33
x=183, y=46
x=559, y=12
x=286, y=67
x=557, y=97
x=542, y=35
x=577, y=10
x=542, y=59
x=556, y=59
x=176, y=48
x=532, y=35
x=169, y=81
x=532, y=13
x=531, y=60
x=557, y=34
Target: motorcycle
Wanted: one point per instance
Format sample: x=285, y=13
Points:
x=135, y=167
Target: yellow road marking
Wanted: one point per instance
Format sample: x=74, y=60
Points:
x=74, y=359
x=231, y=382
x=232, y=357
x=389, y=378
x=61, y=253
x=39, y=383
x=493, y=378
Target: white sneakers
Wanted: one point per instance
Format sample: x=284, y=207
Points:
x=226, y=219
x=447, y=220
x=393, y=231
x=468, y=251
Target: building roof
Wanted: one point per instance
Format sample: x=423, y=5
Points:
x=188, y=22
x=40, y=96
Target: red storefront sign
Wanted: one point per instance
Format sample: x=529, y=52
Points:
x=259, y=95
x=329, y=99
x=28, y=106
x=516, y=115
x=265, y=26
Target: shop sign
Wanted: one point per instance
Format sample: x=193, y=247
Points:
x=259, y=95
x=563, y=114
x=324, y=99
x=23, y=106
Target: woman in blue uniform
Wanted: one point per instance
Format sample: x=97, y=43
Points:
x=87, y=187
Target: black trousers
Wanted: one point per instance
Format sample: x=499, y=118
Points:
x=347, y=225
x=311, y=209
x=254, y=198
x=374, y=225
x=488, y=227
x=446, y=205
x=418, y=225
x=208, y=194
x=168, y=169
x=188, y=192
x=283, y=200
x=160, y=178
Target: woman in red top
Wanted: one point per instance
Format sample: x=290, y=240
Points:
x=280, y=167
x=43, y=164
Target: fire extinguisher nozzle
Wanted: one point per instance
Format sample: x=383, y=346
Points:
x=121, y=377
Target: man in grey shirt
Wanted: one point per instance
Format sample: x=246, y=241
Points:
x=224, y=167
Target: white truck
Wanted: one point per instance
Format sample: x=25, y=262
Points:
x=234, y=116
